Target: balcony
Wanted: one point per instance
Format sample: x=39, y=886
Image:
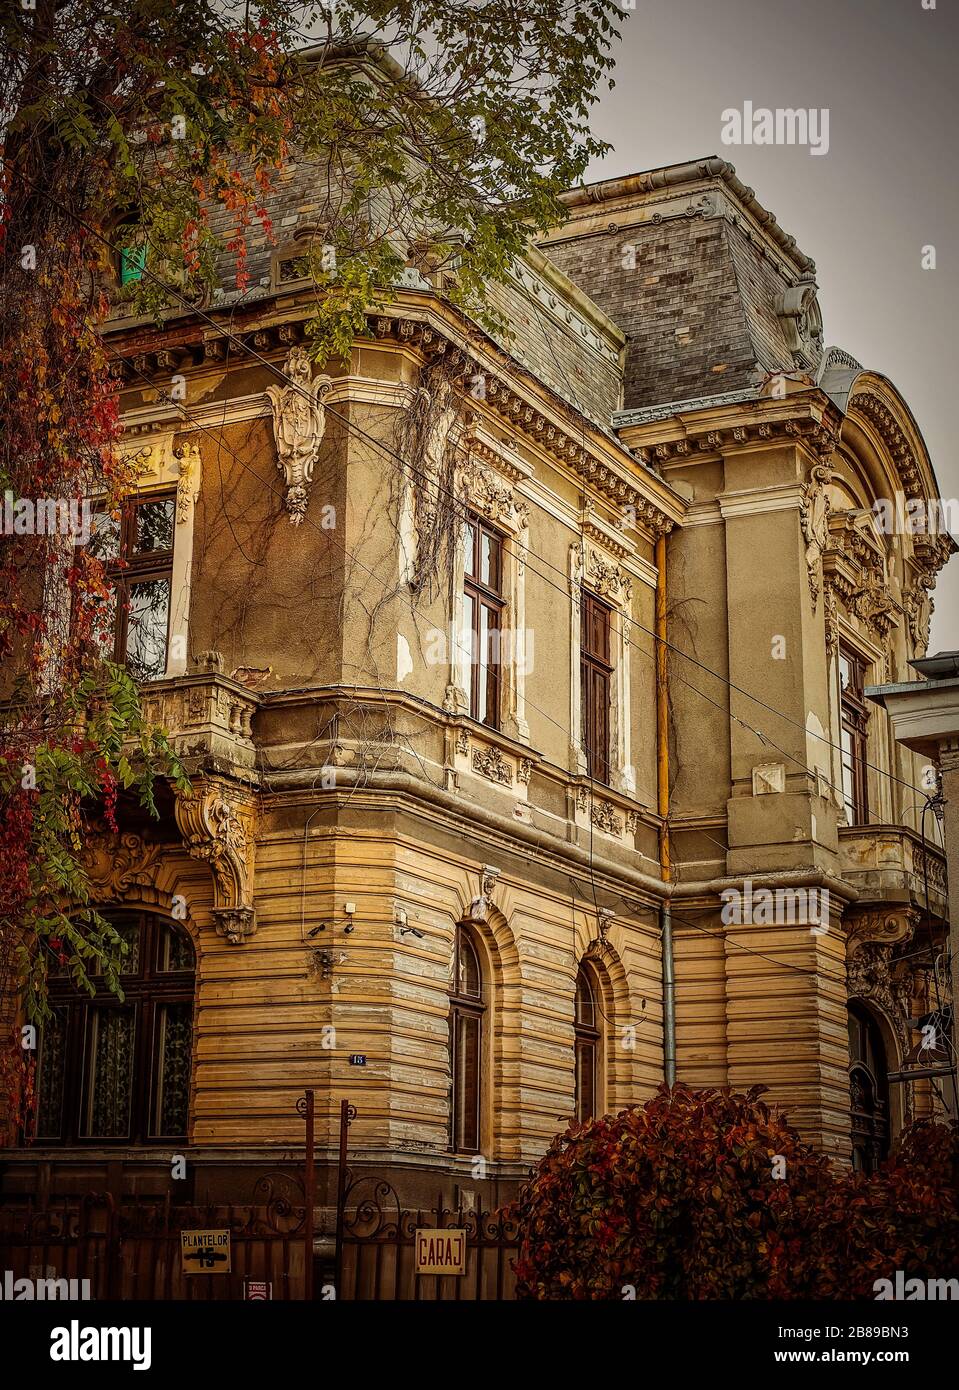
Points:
x=888, y=864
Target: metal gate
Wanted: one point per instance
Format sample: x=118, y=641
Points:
x=131, y=1248
x=376, y=1242
x=376, y=1256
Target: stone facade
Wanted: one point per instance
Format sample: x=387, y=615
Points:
x=628, y=437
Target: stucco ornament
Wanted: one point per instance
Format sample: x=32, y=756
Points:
x=299, y=422
x=814, y=517
x=480, y=906
x=218, y=825
x=188, y=480
x=116, y=863
x=874, y=975
x=919, y=606
x=801, y=319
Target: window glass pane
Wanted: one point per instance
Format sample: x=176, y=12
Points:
x=489, y=561
x=130, y=931
x=50, y=1076
x=109, y=1073
x=469, y=982
x=174, y=1051
x=585, y=1080
x=467, y=635
x=104, y=543
x=153, y=526
x=176, y=950
x=147, y=629
x=466, y=1082
x=585, y=1008
x=470, y=543
x=483, y=710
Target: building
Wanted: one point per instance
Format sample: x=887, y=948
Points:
x=925, y=718
x=523, y=689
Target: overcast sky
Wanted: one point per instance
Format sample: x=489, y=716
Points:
x=887, y=72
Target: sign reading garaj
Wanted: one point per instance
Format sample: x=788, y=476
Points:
x=441, y=1252
x=205, y=1252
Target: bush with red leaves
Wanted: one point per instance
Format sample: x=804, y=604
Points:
x=712, y=1195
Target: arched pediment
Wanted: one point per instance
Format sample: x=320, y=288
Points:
x=874, y=411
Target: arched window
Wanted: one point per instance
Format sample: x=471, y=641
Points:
x=587, y=1041
x=467, y=1007
x=868, y=1091
x=112, y=1071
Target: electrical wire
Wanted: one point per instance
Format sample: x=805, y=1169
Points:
x=404, y=465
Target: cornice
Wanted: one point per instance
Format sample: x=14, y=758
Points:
x=432, y=331
x=722, y=426
x=646, y=414
x=596, y=458
x=561, y=299
x=638, y=191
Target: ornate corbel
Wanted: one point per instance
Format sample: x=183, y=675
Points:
x=875, y=976
x=480, y=906
x=919, y=608
x=218, y=825
x=887, y=926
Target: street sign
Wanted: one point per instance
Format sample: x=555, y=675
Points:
x=258, y=1290
x=205, y=1252
x=441, y=1252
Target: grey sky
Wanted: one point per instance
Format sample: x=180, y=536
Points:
x=886, y=70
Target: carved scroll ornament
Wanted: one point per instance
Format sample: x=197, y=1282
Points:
x=116, y=863
x=218, y=825
x=299, y=422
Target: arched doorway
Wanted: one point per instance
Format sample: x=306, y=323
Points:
x=868, y=1090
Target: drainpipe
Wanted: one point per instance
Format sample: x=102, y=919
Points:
x=662, y=806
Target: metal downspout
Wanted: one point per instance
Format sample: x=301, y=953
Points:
x=662, y=806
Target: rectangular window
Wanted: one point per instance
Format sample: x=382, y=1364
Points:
x=483, y=605
x=137, y=550
x=595, y=672
x=854, y=722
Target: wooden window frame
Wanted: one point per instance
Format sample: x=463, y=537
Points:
x=854, y=725
x=145, y=993
x=871, y=1126
x=587, y=1041
x=596, y=676
x=128, y=568
x=466, y=1007
x=488, y=598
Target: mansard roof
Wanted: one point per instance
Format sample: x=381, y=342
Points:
x=700, y=276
